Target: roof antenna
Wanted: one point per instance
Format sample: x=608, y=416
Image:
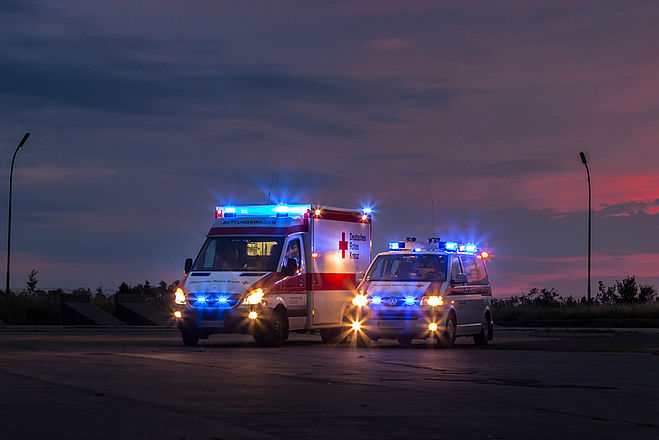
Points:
x=272, y=182
x=432, y=208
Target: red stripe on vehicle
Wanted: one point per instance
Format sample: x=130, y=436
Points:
x=258, y=231
x=332, y=281
x=337, y=216
x=270, y=283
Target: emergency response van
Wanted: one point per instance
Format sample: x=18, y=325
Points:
x=266, y=270
x=440, y=290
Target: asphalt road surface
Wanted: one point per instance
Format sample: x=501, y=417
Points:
x=112, y=384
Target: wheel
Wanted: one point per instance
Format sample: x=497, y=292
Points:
x=274, y=332
x=405, y=341
x=190, y=336
x=484, y=335
x=330, y=335
x=446, y=338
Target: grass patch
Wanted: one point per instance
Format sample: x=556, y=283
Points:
x=532, y=312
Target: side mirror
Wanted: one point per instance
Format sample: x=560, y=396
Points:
x=188, y=266
x=459, y=279
x=290, y=268
x=359, y=276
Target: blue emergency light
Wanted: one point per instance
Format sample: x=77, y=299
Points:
x=376, y=300
x=471, y=248
x=452, y=246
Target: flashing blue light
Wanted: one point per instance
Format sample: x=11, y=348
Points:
x=394, y=246
x=222, y=300
x=264, y=210
x=367, y=210
x=417, y=249
x=471, y=248
x=201, y=299
x=451, y=245
x=376, y=300
x=409, y=300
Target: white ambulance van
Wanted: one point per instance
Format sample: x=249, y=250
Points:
x=266, y=270
x=437, y=290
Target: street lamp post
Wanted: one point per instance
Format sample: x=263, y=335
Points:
x=585, y=162
x=11, y=179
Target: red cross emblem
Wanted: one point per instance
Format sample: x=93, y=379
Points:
x=343, y=245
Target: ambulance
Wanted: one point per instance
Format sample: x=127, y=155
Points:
x=437, y=290
x=266, y=270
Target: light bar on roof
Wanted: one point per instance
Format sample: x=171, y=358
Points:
x=262, y=210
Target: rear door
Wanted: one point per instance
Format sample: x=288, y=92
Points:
x=458, y=296
x=475, y=291
x=341, y=246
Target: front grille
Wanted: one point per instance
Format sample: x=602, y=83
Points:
x=408, y=315
x=213, y=300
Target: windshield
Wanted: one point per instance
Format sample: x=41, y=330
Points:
x=235, y=254
x=406, y=267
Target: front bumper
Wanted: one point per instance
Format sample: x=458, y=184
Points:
x=392, y=322
x=210, y=320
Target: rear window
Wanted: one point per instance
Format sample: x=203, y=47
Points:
x=406, y=267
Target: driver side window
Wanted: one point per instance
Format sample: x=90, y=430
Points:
x=294, y=250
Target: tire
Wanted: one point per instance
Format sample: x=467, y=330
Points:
x=330, y=335
x=405, y=341
x=446, y=338
x=274, y=332
x=190, y=336
x=484, y=336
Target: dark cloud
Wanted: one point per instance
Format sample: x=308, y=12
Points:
x=633, y=208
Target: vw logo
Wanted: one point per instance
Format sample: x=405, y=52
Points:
x=392, y=301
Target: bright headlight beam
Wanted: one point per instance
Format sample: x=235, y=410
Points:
x=254, y=297
x=359, y=300
x=179, y=296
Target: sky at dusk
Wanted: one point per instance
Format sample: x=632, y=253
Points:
x=145, y=115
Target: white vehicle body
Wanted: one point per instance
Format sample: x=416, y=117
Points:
x=411, y=293
x=299, y=261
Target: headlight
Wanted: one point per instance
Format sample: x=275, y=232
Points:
x=254, y=297
x=360, y=300
x=433, y=301
x=179, y=296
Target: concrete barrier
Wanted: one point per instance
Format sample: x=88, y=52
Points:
x=134, y=310
x=78, y=310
